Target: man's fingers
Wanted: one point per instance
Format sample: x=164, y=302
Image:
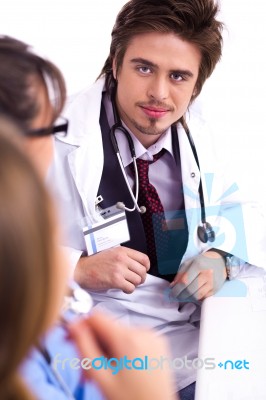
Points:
x=128, y=287
x=198, y=288
x=142, y=258
x=181, y=276
x=139, y=270
x=183, y=280
x=205, y=292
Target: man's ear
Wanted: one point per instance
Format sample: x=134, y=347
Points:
x=194, y=95
x=114, y=69
x=195, y=92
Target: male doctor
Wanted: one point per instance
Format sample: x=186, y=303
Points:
x=160, y=56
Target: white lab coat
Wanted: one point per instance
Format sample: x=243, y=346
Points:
x=75, y=177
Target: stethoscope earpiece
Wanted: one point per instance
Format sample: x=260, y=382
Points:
x=206, y=233
x=120, y=205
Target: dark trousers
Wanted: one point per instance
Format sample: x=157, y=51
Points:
x=188, y=393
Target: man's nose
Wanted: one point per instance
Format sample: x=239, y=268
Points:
x=158, y=88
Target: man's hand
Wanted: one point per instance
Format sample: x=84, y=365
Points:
x=117, y=268
x=199, y=277
x=99, y=336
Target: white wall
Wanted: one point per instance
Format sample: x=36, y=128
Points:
x=234, y=97
x=75, y=34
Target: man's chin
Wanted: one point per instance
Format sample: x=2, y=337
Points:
x=151, y=130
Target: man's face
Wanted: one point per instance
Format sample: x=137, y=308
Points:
x=155, y=83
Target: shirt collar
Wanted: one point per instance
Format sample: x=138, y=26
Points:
x=164, y=142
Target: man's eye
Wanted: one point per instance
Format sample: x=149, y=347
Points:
x=177, y=77
x=144, y=70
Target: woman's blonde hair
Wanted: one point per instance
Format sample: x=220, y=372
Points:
x=27, y=252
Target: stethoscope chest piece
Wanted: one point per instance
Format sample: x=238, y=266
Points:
x=80, y=302
x=206, y=233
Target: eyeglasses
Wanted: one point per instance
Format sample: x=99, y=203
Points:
x=59, y=129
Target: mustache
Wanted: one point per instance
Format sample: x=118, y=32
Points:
x=155, y=103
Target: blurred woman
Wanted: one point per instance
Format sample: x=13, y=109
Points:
x=32, y=93
x=33, y=272
x=29, y=262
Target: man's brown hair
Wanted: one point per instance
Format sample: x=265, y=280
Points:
x=191, y=20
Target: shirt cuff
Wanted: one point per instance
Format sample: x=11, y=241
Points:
x=73, y=256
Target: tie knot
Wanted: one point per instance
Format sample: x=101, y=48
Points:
x=146, y=163
x=143, y=165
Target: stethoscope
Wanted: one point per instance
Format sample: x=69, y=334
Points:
x=77, y=303
x=205, y=231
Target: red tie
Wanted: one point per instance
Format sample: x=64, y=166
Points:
x=153, y=219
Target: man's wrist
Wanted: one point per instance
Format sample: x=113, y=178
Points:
x=233, y=265
x=220, y=252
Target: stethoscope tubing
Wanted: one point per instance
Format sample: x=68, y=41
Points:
x=118, y=126
x=201, y=194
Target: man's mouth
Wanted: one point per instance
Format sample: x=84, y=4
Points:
x=154, y=112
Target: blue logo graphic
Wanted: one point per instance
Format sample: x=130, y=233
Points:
x=226, y=218
x=230, y=364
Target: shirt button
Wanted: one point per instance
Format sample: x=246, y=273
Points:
x=192, y=174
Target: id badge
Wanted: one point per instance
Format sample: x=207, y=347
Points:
x=110, y=232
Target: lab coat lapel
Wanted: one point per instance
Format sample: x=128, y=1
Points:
x=190, y=179
x=87, y=158
x=189, y=168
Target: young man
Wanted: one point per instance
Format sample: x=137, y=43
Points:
x=161, y=54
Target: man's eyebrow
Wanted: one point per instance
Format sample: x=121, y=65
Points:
x=140, y=60
x=182, y=72
x=148, y=63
